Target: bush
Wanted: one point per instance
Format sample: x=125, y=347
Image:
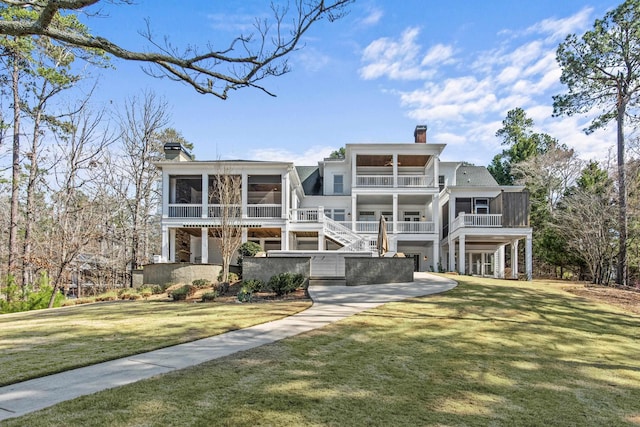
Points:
x=201, y=283
x=284, y=283
x=252, y=285
x=248, y=249
x=181, y=294
x=221, y=287
x=209, y=296
x=157, y=289
x=233, y=277
x=248, y=288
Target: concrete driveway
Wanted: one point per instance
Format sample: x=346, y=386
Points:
x=330, y=304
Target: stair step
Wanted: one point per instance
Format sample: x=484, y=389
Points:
x=327, y=281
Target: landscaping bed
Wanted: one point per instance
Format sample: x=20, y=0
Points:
x=626, y=298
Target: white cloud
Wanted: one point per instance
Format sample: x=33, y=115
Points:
x=398, y=59
x=374, y=15
x=309, y=157
x=520, y=71
x=557, y=29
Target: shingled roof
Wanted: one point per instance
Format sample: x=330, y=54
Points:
x=474, y=176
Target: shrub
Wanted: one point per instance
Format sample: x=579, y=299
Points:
x=157, y=289
x=183, y=292
x=248, y=249
x=134, y=297
x=209, y=296
x=201, y=283
x=252, y=285
x=221, y=287
x=248, y=288
x=233, y=277
x=284, y=283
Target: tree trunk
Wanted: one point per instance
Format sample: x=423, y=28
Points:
x=622, y=200
x=15, y=179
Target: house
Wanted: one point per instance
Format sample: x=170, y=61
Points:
x=444, y=215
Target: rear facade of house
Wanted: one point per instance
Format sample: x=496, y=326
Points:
x=446, y=216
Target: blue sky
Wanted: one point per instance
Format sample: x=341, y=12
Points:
x=456, y=66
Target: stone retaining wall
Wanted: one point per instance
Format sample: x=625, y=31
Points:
x=372, y=271
x=263, y=268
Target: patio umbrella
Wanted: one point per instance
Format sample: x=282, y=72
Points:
x=383, y=241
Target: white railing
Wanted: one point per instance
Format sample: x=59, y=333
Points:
x=185, y=210
x=304, y=215
x=415, y=181
x=216, y=211
x=386, y=181
x=416, y=227
x=374, y=180
x=264, y=211
x=477, y=221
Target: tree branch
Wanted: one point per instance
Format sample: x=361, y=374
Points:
x=213, y=72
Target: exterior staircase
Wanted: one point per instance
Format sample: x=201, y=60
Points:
x=350, y=241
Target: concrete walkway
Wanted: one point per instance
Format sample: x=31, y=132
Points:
x=331, y=303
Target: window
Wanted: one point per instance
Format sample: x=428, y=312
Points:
x=481, y=206
x=185, y=189
x=412, y=216
x=336, y=214
x=441, y=182
x=366, y=216
x=338, y=184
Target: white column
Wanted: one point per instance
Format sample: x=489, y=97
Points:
x=452, y=254
x=461, y=255
x=528, y=254
x=172, y=245
x=321, y=240
x=514, y=259
x=436, y=255
x=165, y=243
x=245, y=192
x=205, y=196
x=435, y=215
x=395, y=213
x=284, y=237
x=244, y=234
x=436, y=171
x=394, y=162
x=354, y=167
x=354, y=212
x=285, y=196
x=165, y=196
x=204, y=246
x=496, y=263
x=500, y=262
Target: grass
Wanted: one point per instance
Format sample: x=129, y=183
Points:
x=488, y=352
x=38, y=343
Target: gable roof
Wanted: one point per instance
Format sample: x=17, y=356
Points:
x=310, y=179
x=474, y=176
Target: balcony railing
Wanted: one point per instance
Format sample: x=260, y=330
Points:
x=185, y=211
x=264, y=211
x=477, y=221
x=387, y=181
x=217, y=211
x=304, y=215
x=404, y=227
x=374, y=181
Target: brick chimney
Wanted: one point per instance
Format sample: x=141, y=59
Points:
x=420, y=134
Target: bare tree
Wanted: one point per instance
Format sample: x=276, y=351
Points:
x=76, y=212
x=133, y=175
x=587, y=221
x=226, y=195
x=243, y=62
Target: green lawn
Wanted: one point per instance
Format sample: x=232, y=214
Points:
x=37, y=343
x=488, y=352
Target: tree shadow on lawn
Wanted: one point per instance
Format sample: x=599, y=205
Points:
x=477, y=355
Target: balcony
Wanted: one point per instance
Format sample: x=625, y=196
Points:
x=388, y=181
x=365, y=227
x=181, y=210
x=477, y=221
